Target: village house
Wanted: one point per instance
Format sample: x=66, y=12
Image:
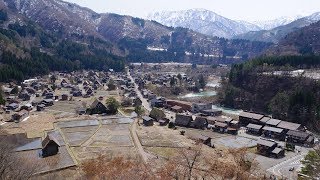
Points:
x=273, y=122
x=269, y=148
x=27, y=107
x=97, y=108
x=13, y=106
x=64, y=97
x=199, y=123
x=220, y=127
x=264, y=120
x=254, y=129
x=89, y=92
x=289, y=126
x=183, y=120
x=49, y=95
x=77, y=93
x=272, y=132
x=246, y=118
x=177, y=109
x=17, y=117
x=297, y=136
x=147, y=121
x=186, y=106
x=48, y=102
x=50, y=146
x=81, y=111
x=158, y=102
x=212, y=112
x=198, y=107
x=24, y=95
x=40, y=107
x=137, y=102
x=163, y=122
x=203, y=139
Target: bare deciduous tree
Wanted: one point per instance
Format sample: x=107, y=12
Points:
x=11, y=165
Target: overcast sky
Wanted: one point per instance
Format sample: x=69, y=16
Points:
x=249, y=10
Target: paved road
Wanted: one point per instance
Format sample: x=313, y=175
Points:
x=282, y=169
x=145, y=103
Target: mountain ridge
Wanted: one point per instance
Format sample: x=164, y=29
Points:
x=131, y=37
x=203, y=21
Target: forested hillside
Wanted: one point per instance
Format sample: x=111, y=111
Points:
x=27, y=50
x=258, y=86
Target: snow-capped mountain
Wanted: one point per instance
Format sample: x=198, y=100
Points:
x=279, y=32
x=270, y=24
x=203, y=21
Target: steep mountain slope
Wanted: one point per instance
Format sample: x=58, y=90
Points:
x=138, y=39
x=27, y=49
x=203, y=21
x=271, y=24
x=274, y=35
x=301, y=42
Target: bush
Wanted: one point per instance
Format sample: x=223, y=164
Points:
x=112, y=105
x=157, y=114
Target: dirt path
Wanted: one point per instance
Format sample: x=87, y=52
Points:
x=145, y=156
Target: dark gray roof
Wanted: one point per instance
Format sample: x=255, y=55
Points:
x=183, y=120
x=288, y=125
x=47, y=140
x=299, y=134
x=220, y=124
x=277, y=150
x=265, y=119
x=176, y=107
x=273, y=129
x=254, y=126
x=251, y=115
x=147, y=118
x=273, y=122
x=266, y=143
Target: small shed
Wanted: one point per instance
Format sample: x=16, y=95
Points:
x=50, y=146
x=64, y=97
x=40, y=107
x=147, y=121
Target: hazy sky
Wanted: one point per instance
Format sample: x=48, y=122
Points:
x=234, y=9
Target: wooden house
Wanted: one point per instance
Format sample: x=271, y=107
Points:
x=287, y=126
x=40, y=107
x=220, y=127
x=198, y=107
x=273, y=132
x=17, y=117
x=50, y=146
x=200, y=123
x=297, y=136
x=246, y=118
x=64, y=97
x=163, y=122
x=254, y=129
x=147, y=121
x=212, y=112
x=183, y=120
x=269, y=148
x=97, y=108
x=186, y=106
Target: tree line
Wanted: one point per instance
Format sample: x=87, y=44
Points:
x=284, y=96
